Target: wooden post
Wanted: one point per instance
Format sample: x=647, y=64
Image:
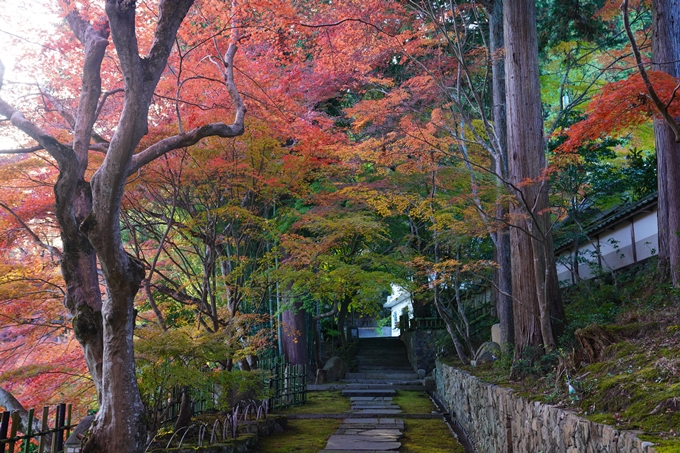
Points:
x=69, y=410
x=56, y=425
x=61, y=418
x=29, y=430
x=41, y=446
x=4, y=425
x=16, y=419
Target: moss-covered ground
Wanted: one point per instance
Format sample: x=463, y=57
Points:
x=428, y=436
x=414, y=402
x=301, y=436
x=633, y=381
x=329, y=402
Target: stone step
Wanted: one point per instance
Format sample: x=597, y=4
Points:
x=354, y=451
x=366, y=435
x=382, y=351
x=368, y=368
x=369, y=392
x=357, y=443
x=374, y=406
x=382, y=361
x=387, y=382
x=361, y=399
x=373, y=423
x=386, y=374
x=377, y=412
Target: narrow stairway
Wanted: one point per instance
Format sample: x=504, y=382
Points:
x=383, y=362
x=373, y=426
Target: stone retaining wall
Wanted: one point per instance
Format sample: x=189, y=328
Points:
x=499, y=422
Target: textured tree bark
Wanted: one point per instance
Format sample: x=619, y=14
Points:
x=503, y=277
x=89, y=213
x=666, y=52
x=537, y=304
x=294, y=338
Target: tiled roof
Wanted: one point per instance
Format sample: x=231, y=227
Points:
x=617, y=215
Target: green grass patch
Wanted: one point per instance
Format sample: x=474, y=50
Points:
x=328, y=402
x=428, y=436
x=414, y=402
x=301, y=436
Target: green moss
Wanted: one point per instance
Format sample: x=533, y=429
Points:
x=301, y=436
x=632, y=330
x=664, y=445
x=428, y=436
x=328, y=402
x=414, y=402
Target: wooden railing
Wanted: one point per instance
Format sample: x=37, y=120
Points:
x=35, y=441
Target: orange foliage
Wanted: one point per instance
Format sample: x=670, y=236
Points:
x=621, y=106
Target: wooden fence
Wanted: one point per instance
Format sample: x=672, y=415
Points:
x=288, y=385
x=31, y=440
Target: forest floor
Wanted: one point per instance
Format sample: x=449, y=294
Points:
x=618, y=362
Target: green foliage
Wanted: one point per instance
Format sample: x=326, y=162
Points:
x=187, y=357
x=237, y=385
x=534, y=362
x=569, y=20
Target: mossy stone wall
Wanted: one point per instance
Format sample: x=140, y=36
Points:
x=497, y=421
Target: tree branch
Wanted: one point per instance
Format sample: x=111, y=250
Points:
x=32, y=149
x=658, y=103
x=95, y=42
x=59, y=151
x=53, y=250
x=209, y=130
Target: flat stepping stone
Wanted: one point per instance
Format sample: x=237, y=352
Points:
x=369, y=392
x=353, y=451
x=372, y=423
x=370, y=398
x=355, y=443
x=380, y=411
x=390, y=434
x=373, y=404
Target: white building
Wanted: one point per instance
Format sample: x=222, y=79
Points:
x=397, y=302
x=626, y=236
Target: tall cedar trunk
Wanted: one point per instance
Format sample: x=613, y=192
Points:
x=534, y=280
x=666, y=51
x=502, y=252
x=294, y=335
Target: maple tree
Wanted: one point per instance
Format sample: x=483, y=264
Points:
x=116, y=134
x=88, y=211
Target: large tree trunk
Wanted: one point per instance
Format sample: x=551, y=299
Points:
x=503, y=274
x=89, y=214
x=342, y=316
x=294, y=335
x=537, y=304
x=666, y=51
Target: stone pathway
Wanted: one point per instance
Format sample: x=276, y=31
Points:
x=375, y=423
x=364, y=434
